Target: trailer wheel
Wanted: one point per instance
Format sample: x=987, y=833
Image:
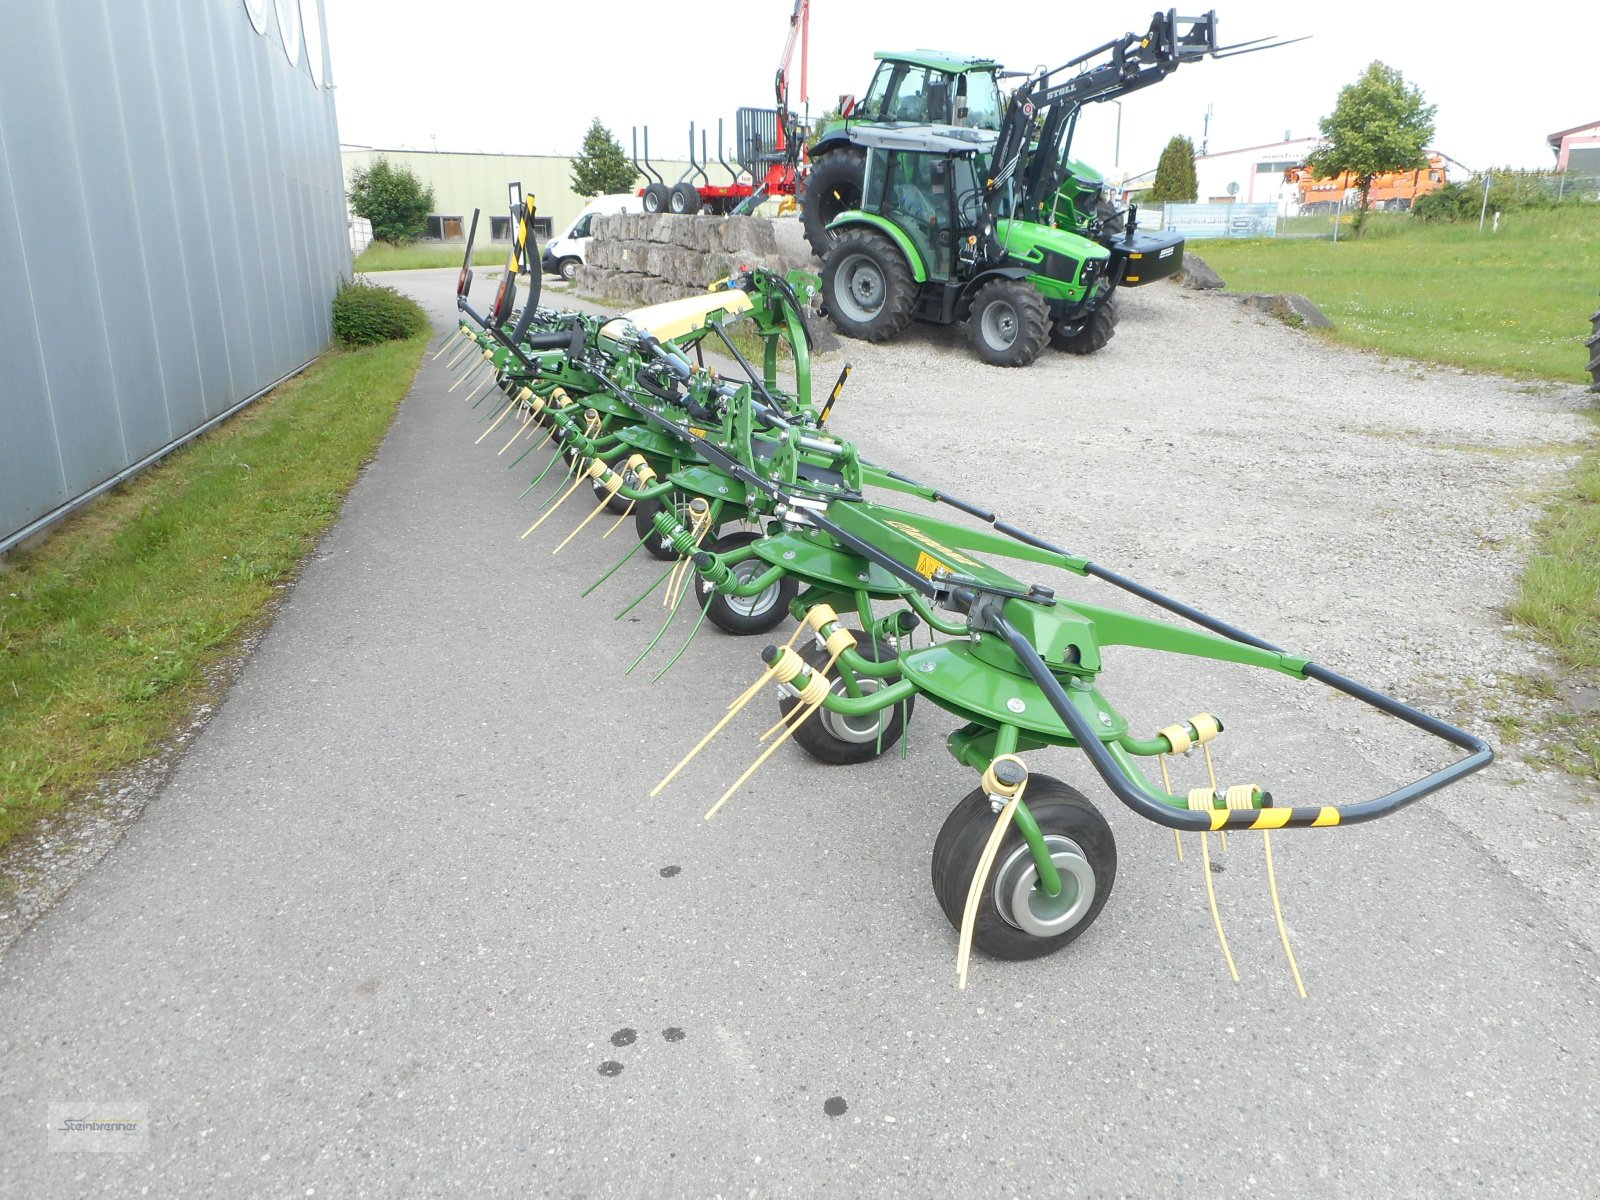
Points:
x=868, y=286
x=832, y=737
x=567, y=268
x=832, y=186
x=1089, y=334
x=1015, y=918
x=1009, y=323
x=744, y=615
x=684, y=199
x=655, y=197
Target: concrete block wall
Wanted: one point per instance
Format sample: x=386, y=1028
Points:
x=645, y=258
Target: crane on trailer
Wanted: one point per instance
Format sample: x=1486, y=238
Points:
x=769, y=148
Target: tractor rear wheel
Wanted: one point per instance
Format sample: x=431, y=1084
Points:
x=1015, y=918
x=868, y=286
x=834, y=738
x=684, y=199
x=655, y=197
x=1089, y=334
x=833, y=186
x=1009, y=324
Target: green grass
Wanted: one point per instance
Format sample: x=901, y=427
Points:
x=1516, y=302
x=112, y=628
x=1559, y=600
x=381, y=256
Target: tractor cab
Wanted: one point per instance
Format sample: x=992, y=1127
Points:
x=925, y=182
x=925, y=88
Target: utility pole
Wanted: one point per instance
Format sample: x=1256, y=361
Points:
x=1205, y=137
x=1116, y=155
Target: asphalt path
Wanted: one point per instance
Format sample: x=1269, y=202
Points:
x=404, y=923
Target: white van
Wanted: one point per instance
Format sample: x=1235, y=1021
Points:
x=565, y=254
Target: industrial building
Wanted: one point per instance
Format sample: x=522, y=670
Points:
x=175, y=234
x=462, y=182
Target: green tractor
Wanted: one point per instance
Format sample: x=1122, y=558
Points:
x=959, y=217
x=923, y=244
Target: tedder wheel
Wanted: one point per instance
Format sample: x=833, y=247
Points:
x=644, y=526
x=1015, y=918
x=684, y=199
x=614, y=503
x=868, y=287
x=655, y=198
x=833, y=186
x=1090, y=334
x=567, y=268
x=746, y=614
x=832, y=737
x=1009, y=324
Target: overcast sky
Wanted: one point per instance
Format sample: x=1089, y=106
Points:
x=527, y=77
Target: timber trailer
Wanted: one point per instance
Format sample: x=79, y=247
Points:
x=769, y=146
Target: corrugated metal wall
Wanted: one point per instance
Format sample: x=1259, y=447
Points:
x=172, y=228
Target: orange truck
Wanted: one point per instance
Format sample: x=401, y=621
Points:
x=1395, y=189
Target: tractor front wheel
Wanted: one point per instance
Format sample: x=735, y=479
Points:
x=1015, y=918
x=744, y=615
x=1009, y=324
x=835, y=738
x=868, y=286
x=833, y=186
x=1089, y=334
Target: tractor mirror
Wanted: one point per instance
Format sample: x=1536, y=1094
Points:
x=939, y=101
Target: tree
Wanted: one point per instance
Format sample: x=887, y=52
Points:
x=1379, y=124
x=393, y=199
x=1175, y=181
x=602, y=169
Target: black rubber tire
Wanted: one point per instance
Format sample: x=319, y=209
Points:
x=655, y=197
x=1593, y=344
x=684, y=199
x=826, y=736
x=766, y=611
x=1092, y=334
x=833, y=186
x=854, y=257
x=614, y=503
x=1113, y=220
x=567, y=268
x=1009, y=324
x=644, y=528
x=1064, y=815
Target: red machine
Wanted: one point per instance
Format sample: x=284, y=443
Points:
x=769, y=146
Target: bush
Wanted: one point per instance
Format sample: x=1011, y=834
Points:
x=1510, y=190
x=393, y=199
x=365, y=314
